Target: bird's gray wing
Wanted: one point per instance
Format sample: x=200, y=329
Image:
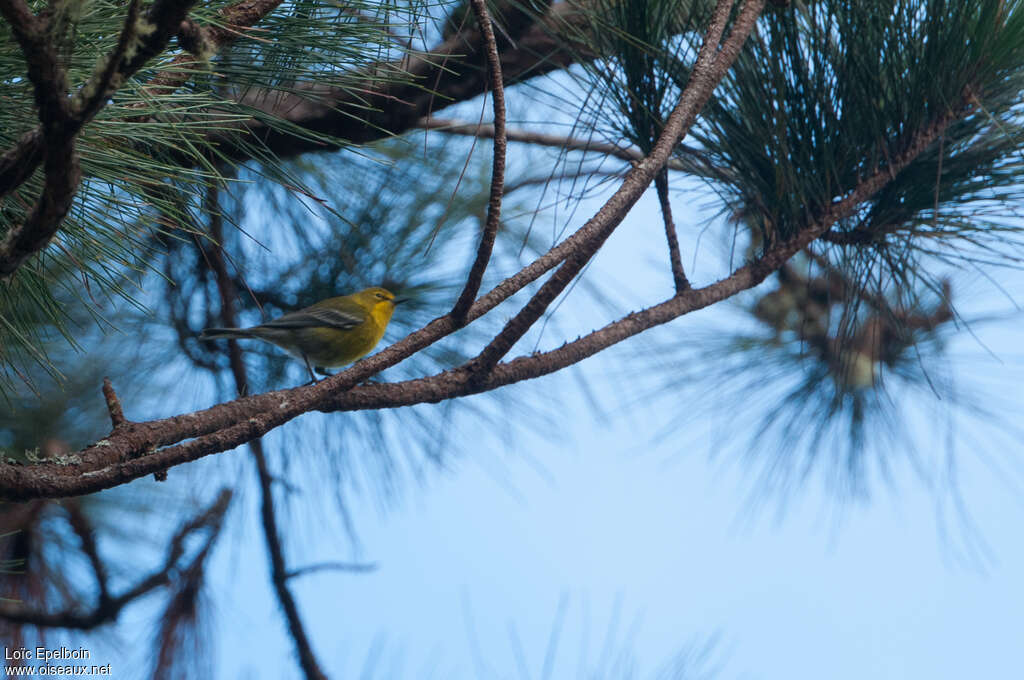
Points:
x=314, y=317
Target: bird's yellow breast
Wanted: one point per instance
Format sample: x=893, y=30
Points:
x=332, y=347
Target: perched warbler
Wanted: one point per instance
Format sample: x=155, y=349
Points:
x=327, y=334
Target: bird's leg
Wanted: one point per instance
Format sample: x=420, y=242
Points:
x=313, y=378
x=323, y=371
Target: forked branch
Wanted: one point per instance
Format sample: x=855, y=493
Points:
x=141, y=448
x=712, y=65
x=109, y=606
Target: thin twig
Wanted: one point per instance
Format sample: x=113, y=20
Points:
x=697, y=162
x=117, y=418
x=358, y=567
x=279, y=572
x=490, y=231
x=675, y=260
x=83, y=529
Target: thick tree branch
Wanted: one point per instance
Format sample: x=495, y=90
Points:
x=490, y=231
x=49, y=79
x=21, y=160
x=62, y=175
x=414, y=86
x=110, y=607
x=56, y=152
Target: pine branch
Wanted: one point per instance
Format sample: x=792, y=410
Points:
x=142, y=448
x=448, y=73
x=109, y=608
x=490, y=231
x=57, y=153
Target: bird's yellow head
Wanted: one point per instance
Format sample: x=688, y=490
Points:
x=380, y=302
x=371, y=297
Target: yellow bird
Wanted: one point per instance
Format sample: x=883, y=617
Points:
x=330, y=333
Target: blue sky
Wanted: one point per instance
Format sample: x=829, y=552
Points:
x=877, y=594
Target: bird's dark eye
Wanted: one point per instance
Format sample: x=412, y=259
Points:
x=380, y=296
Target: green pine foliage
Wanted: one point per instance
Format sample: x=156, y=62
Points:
x=147, y=152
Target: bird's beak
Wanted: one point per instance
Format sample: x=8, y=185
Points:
x=398, y=301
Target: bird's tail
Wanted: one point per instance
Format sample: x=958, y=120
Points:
x=214, y=333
